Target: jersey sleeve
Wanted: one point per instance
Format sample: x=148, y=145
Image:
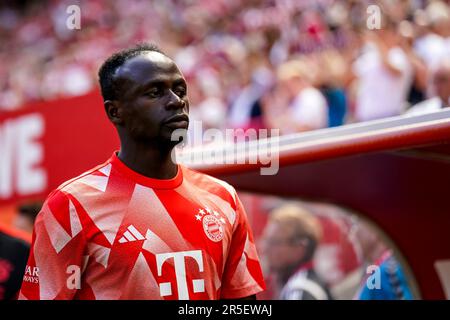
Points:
x=54, y=266
x=242, y=275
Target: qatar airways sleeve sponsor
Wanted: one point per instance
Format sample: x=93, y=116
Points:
x=31, y=275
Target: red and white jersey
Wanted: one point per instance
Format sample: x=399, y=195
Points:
x=112, y=233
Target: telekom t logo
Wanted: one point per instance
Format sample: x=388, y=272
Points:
x=165, y=288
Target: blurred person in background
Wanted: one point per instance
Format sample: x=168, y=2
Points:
x=418, y=89
x=303, y=107
x=207, y=109
x=440, y=89
x=432, y=42
x=383, y=74
x=289, y=241
x=331, y=81
x=392, y=280
x=26, y=215
x=246, y=109
x=14, y=250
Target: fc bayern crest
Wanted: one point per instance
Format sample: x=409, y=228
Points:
x=213, y=228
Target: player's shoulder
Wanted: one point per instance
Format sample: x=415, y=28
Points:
x=210, y=183
x=77, y=185
x=100, y=170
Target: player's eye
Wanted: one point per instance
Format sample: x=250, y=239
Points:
x=180, y=91
x=154, y=92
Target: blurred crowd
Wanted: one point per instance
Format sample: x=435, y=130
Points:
x=287, y=64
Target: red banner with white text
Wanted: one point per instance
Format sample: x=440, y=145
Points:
x=46, y=143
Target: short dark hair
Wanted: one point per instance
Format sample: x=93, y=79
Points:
x=117, y=59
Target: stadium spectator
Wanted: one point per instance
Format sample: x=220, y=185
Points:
x=384, y=76
x=26, y=215
x=14, y=252
x=440, y=88
x=433, y=42
x=391, y=283
x=304, y=107
x=290, y=239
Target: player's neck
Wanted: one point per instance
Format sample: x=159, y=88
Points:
x=154, y=163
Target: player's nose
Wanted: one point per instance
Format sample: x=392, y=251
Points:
x=174, y=101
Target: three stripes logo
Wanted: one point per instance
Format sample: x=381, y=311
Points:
x=131, y=234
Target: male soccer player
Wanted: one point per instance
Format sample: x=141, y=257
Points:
x=139, y=226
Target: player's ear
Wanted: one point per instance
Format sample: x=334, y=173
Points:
x=113, y=110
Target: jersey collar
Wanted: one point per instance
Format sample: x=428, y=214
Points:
x=172, y=183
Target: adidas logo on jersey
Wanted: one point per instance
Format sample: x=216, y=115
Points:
x=132, y=234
